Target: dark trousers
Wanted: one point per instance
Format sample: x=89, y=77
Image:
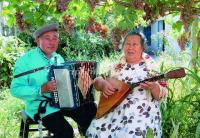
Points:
x=57, y=124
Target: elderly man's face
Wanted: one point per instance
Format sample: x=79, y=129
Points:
x=48, y=42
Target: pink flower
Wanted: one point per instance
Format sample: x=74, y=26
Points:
x=163, y=83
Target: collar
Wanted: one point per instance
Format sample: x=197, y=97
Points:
x=43, y=54
x=50, y=60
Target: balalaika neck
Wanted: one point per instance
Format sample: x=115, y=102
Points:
x=133, y=85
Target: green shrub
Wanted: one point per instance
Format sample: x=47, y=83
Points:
x=180, y=111
x=79, y=46
x=10, y=49
x=84, y=46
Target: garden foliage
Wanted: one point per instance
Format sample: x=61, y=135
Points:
x=10, y=49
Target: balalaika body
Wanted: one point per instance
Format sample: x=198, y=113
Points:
x=68, y=95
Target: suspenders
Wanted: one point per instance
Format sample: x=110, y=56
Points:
x=31, y=71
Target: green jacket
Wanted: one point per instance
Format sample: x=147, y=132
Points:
x=28, y=87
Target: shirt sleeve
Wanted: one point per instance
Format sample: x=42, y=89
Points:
x=20, y=86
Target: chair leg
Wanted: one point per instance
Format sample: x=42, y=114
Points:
x=26, y=130
x=48, y=133
x=21, y=129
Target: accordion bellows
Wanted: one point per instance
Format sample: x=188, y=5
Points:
x=68, y=94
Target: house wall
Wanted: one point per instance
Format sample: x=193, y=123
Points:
x=154, y=36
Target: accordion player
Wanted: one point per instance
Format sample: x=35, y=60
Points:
x=68, y=94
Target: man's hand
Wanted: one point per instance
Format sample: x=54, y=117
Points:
x=84, y=81
x=49, y=86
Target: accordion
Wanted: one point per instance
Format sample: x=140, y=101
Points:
x=68, y=94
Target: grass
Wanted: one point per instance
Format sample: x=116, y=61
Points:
x=10, y=114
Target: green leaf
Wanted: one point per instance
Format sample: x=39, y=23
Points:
x=28, y=16
x=149, y=133
x=197, y=133
x=177, y=26
x=11, y=21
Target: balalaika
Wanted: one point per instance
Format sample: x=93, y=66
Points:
x=68, y=94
